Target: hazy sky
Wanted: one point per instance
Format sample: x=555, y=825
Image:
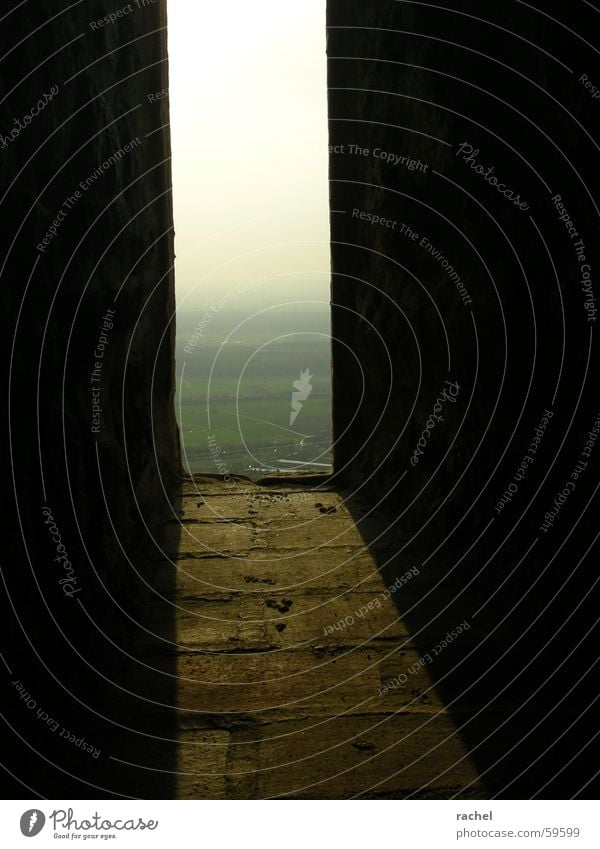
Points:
x=248, y=98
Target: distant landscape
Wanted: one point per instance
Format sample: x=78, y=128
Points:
x=235, y=378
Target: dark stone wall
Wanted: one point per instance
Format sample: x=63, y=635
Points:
x=86, y=284
x=450, y=344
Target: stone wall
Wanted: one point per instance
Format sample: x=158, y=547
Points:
x=464, y=317
x=91, y=457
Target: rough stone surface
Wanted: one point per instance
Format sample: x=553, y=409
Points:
x=290, y=665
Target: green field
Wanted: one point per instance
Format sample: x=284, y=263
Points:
x=235, y=383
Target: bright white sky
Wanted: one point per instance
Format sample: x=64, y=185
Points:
x=248, y=98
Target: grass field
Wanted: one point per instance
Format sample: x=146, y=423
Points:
x=235, y=381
